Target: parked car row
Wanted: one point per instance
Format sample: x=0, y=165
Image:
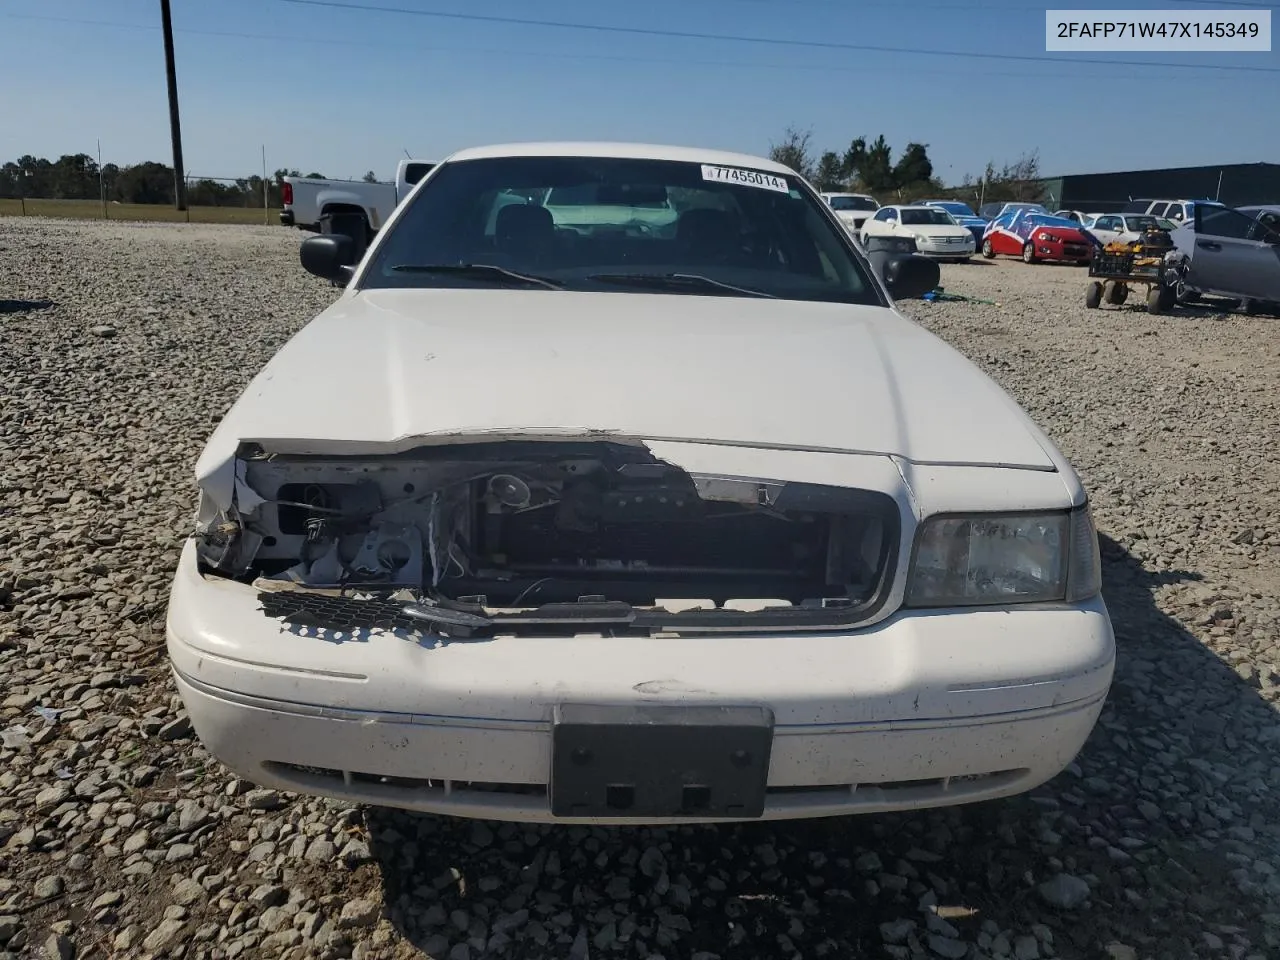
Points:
x=951, y=230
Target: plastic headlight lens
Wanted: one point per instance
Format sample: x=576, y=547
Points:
x=991, y=559
x=1084, y=568
x=1045, y=236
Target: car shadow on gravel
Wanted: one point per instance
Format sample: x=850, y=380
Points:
x=1157, y=817
x=23, y=306
x=1225, y=309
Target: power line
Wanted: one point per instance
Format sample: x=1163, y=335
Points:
x=772, y=41
x=964, y=7
x=595, y=57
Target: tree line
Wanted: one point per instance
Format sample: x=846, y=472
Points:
x=78, y=177
x=869, y=167
x=866, y=166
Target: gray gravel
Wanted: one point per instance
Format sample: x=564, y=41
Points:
x=119, y=836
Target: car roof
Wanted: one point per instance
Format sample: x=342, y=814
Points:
x=858, y=196
x=909, y=206
x=1261, y=208
x=625, y=151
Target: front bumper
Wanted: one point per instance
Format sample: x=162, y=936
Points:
x=1057, y=250
x=945, y=250
x=920, y=710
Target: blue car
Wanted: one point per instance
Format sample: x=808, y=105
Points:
x=963, y=214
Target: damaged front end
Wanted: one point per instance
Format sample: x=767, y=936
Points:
x=522, y=537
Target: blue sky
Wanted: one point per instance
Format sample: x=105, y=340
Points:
x=342, y=91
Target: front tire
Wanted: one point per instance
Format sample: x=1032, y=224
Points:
x=1029, y=252
x=988, y=250
x=1093, y=295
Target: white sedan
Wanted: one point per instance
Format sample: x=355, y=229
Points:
x=619, y=523
x=1123, y=227
x=935, y=232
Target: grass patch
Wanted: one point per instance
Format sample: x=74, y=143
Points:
x=92, y=210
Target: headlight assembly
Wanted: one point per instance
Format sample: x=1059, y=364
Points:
x=993, y=559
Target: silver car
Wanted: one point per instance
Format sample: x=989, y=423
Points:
x=1230, y=252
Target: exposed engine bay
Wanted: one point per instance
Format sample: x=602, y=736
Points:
x=533, y=535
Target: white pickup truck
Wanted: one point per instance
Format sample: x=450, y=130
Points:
x=353, y=207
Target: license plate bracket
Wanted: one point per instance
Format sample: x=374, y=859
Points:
x=660, y=761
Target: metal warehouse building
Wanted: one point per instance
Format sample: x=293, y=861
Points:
x=1235, y=184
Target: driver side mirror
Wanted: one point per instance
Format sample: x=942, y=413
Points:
x=331, y=257
x=909, y=276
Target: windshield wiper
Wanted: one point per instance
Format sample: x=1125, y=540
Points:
x=676, y=281
x=484, y=271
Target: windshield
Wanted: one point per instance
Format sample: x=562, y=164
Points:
x=956, y=209
x=1139, y=224
x=852, y=203
x=927, y=216
x=619, y=224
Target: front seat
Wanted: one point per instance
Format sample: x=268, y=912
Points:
x=525, y=232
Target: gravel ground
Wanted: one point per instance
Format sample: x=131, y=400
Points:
x=119, y=837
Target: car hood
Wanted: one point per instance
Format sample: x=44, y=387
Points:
x=386, y=370
x=1070, y=234
x=937, y=229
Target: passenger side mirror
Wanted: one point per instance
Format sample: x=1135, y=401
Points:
x=331, y=257
x=909, y=276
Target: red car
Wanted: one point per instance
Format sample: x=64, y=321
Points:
x=1037, y=236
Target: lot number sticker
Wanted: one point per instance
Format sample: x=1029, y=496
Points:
x=746, y=178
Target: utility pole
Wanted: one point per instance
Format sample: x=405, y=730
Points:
x=102, y=183
x=175, y=128
x=266, y=203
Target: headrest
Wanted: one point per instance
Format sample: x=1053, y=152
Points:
x=522, y=219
